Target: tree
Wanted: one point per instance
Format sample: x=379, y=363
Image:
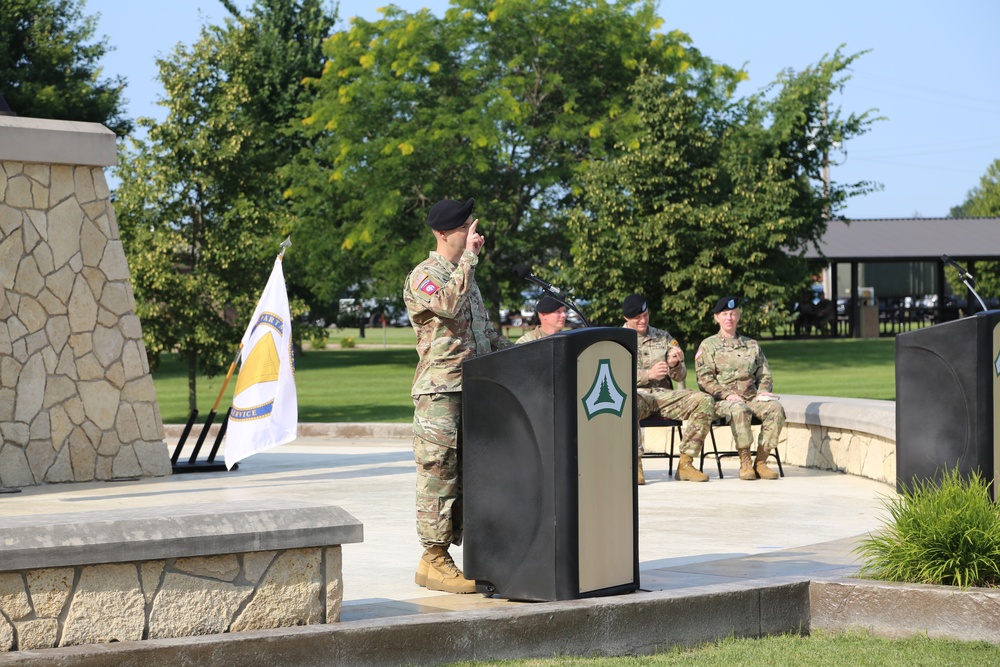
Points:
x=49, y=67
x=983, y=201
x=713, y=198
x=504, y=102
x=200, y=204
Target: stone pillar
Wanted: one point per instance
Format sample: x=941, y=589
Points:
x=77, y=401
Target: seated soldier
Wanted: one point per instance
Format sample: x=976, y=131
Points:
x=826, y=314
x=551, y=319
x=659, y=361
x=733, y=370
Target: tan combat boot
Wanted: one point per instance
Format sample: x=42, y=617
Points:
x=686, y=472
x=444, y=575
x=746, y=465
x=420, y=578
x=640, y=478
x=762, y=470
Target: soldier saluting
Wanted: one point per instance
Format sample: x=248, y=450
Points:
x=450, y=320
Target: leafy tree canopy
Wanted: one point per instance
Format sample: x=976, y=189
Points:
x=49, y=65
x=713, y=200
x=983, y=201
x=501, y=101
x=200, y=204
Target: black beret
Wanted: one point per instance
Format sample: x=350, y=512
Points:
x=727, y=303
x=547, y=305
x=449, y=214
x=634, y=305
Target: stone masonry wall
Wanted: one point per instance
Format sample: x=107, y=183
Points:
x=77, y=401
x=182, y=597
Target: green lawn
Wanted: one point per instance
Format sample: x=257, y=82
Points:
x=853, y=368
x=793, y=651
x=371, y=382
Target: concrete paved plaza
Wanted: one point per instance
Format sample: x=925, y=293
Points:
x=689, y=534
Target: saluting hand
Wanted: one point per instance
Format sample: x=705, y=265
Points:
x=474, y=241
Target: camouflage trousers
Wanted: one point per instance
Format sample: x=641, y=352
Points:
x=693, y=407
x=437, y=435
x=739, y=416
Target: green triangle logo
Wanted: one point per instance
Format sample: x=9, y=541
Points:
x=604, y=395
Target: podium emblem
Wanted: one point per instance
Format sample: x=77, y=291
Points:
x=604, y=395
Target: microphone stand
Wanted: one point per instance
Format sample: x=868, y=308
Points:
x=966, y=277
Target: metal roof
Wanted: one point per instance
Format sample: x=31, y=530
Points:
x=910, y=239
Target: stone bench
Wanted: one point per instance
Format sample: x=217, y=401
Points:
x=851, y=435
x=161, y=572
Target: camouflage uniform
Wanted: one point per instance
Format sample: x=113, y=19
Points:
x=534, y=334
x=658, y=397
x=448, y=315
x=738, y=366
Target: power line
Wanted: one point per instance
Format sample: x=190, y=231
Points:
x=863, y=155
x=923, y=87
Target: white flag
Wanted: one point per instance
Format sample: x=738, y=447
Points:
x=265, y=410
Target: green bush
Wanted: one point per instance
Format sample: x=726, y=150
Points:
x=938, y=534
x=347, y=342
x=318, y=341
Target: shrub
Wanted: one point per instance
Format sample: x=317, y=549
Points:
x=347, y=342
x=938, y=534
x=318, y=341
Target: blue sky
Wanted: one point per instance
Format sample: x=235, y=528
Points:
x=933, y=71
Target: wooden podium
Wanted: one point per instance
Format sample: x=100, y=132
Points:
x=549, y=458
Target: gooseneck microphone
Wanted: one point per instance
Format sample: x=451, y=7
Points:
x=966, y=277
x=523, y=271
x=962, y=273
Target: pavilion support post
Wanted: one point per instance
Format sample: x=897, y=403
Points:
x=855, y=309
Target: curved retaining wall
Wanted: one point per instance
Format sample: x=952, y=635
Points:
x=851, y=435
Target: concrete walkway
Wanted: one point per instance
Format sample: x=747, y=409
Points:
x=690, y=535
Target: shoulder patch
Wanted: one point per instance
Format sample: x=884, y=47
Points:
x=423, y=283
x=698, y=353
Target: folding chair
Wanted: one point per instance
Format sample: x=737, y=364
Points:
x=755, y=421
x=661, y=422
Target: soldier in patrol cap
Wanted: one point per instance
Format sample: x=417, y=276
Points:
x=551, y=319
x=449, y=318
x=659, y=363
x=733, y=369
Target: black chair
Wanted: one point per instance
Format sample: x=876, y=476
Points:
x=755, y=421
x=663, y=422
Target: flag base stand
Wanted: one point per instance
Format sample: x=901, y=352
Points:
x=193, y=464
x=201, y=466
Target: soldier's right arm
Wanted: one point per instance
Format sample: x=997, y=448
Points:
x=641, y=375
x=705, y=368
x=443, y=295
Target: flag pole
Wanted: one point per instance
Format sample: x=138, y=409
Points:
x=211, y=415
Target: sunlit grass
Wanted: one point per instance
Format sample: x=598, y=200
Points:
x=372, y=384
x=791, y=650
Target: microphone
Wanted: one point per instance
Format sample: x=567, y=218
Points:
x=523, y=271
x=962, y=273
